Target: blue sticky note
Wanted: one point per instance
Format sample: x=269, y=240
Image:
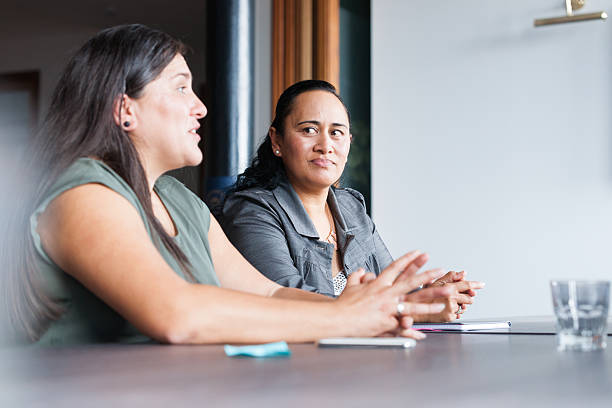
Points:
x=278, y=349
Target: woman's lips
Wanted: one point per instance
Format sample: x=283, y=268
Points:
x=194, y=133
x=322, y=162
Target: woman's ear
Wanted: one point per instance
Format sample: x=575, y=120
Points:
x=123, y=113
x=275, y=138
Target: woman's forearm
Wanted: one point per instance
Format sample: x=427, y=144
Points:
x=207, y=314
x=298, y=294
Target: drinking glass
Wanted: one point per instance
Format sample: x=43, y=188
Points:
x=581, y=309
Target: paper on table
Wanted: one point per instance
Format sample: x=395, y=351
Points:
x=461, y=326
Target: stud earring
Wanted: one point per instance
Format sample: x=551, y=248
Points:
x=126, y=124
x=277, y=152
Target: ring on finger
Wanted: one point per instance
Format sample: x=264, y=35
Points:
x=400, y=308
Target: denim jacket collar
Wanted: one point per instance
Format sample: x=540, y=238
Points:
x=292, y=205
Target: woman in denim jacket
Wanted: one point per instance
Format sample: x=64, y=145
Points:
x=290, y=220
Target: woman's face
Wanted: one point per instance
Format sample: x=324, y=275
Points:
x=164, y=120
x=316, y=141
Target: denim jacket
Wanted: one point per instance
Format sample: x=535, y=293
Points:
x=275, y=234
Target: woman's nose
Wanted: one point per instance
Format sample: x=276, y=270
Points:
x=324, y=144
x=199, y=109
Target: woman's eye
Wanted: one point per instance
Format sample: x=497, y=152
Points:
x=337, y=133
x=310, y=130
x=182, y=89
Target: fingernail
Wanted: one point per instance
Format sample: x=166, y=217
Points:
x=421, y=335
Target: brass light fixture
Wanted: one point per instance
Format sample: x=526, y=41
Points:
x=570, y=17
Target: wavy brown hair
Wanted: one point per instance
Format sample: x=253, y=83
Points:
x=117, y=61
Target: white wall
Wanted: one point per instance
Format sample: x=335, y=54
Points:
x=491, y=143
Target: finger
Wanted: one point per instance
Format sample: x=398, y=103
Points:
x=446, y=292
x=413, y=282
x=368, y=277
x=354, y=278
x=406, y=322
x=393, y=333
x=463, y=299
x=448, y=278
x=418, y=281
x=434, y=292
x=458, y=276
x=411, y=308
x=421, y=260
x=450, y=303
x=414, y=267
x=413, y=334
x=417, y=263
x=391, y=272
x=463, y=286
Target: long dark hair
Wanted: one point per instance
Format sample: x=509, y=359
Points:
x=266, y=169
x=117, y=61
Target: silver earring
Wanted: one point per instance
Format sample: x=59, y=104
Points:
x=277, y=152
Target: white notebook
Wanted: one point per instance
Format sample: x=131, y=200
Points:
x=462, y=326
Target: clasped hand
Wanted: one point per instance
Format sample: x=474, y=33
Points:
x=389, y=303
x=456, y=304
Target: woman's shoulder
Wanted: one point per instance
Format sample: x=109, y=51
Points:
x=169, y=184
x=172, y=189
x=254, y=201
x=352, y=206
x=86, y=170
x=254, y=192
x=350, y=197
x=81, y=172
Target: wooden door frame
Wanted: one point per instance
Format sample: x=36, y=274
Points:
x=305, y=43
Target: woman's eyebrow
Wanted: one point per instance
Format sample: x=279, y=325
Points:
x=316, y=122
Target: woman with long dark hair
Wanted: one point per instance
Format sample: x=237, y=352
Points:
x=290, y=220
x=114, y=250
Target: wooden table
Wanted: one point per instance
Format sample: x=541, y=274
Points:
x=446, y=369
